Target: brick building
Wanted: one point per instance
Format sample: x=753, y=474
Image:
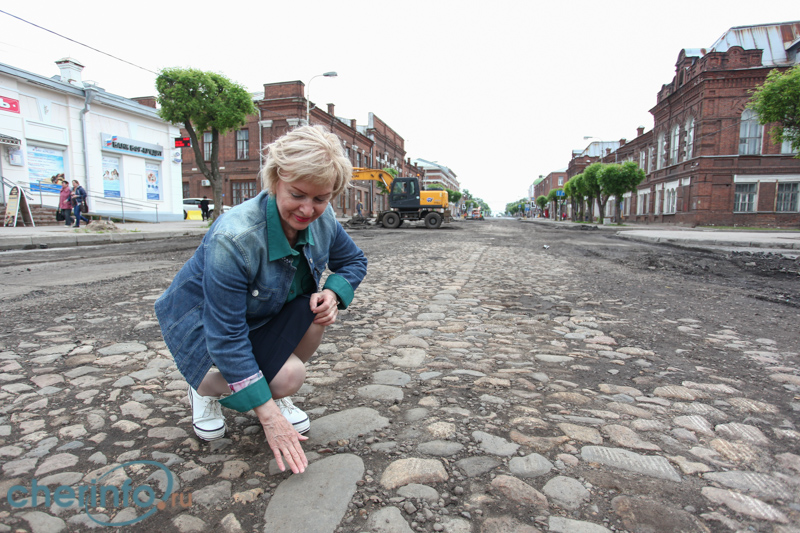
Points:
x=544, y=184
x=554, y=180
x=282, y=107
x=707, y=159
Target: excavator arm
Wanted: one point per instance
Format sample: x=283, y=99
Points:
x=373, y=174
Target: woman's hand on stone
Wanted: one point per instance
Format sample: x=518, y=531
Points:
x=283, y=439
x=325, y=305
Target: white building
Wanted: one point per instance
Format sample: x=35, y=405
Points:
x=61, y=126
x=436, y=173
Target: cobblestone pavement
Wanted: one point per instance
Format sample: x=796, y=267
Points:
x=478, y=384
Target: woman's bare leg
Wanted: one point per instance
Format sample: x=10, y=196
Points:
x=290, y=377
x=213, y=384
x=310, y=342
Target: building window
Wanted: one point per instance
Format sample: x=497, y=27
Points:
x=750, y=134
x=242, y=144
x=675, y=145
x=186, y=189
x=650, y=158
x=744, y=198
x=786, y=147
x=207, y=138
x=689, y=152
x=787, y=197
x=670, y=201
x=560, y=182
x=658, y=208
x=661, y=147
x=243, y=190
x=642, y=202
x=642, y=159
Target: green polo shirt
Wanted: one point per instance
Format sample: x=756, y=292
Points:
x=278, y=248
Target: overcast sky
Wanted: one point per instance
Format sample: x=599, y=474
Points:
x=501, y=92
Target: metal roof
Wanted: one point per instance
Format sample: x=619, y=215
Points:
x=7, y=139
x=598, y=149
x=103, y=97
x=773, y=39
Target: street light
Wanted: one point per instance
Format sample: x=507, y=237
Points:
x=308, y=93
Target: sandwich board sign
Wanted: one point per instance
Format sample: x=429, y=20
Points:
x=17, y=201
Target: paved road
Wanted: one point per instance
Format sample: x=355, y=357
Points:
x=479, y=383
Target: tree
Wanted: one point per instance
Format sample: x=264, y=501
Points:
x=204, y=102
x=518, y=207
x=778, y=101
x=592, y=188
x=569, y=192
x=381, y=186
x=579, y=193
x=615, y=180
x=541, y=201
x=557, y=202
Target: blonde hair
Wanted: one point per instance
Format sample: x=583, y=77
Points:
x=308, y=153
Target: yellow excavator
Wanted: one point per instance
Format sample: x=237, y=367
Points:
x=406, y=199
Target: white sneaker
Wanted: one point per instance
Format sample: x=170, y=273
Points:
x=207, y=418
x=297, y=417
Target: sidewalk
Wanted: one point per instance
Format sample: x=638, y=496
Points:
x=60, y=236
x=20, y=238
x=779, y=241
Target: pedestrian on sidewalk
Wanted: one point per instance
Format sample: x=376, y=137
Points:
x=78, y=199
x=248, y=301
x=65, y=202
x=204, y=207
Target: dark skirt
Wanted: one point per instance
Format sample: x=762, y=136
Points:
x=276, y=340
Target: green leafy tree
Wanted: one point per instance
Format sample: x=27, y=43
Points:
x=203, y=102
x=380, y=185
x=615, y=180
x=579, y=194
x=592, y=188
x=541, y=201
x=777, y=102
x=556, y=201
x=569, y=193
x=517, y=207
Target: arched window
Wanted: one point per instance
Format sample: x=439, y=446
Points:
x=689, y=153
x=750, y=134
x=674, y=145
x=661, y=146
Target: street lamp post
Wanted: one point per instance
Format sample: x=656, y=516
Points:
x=308, y=93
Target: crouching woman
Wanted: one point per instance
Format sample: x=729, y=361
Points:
x=248, y=301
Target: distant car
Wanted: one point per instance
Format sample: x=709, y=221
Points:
x=193, y=204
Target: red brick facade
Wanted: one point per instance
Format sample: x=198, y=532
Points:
x=707, y=161
x=698, y=154
x=282, y=108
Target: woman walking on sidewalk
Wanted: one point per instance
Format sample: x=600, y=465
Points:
x=248, y=301
x=78, y=199
x=65, y=202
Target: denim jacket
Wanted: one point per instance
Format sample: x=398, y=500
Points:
x=230, y=286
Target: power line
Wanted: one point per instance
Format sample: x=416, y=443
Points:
x=78, y=42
